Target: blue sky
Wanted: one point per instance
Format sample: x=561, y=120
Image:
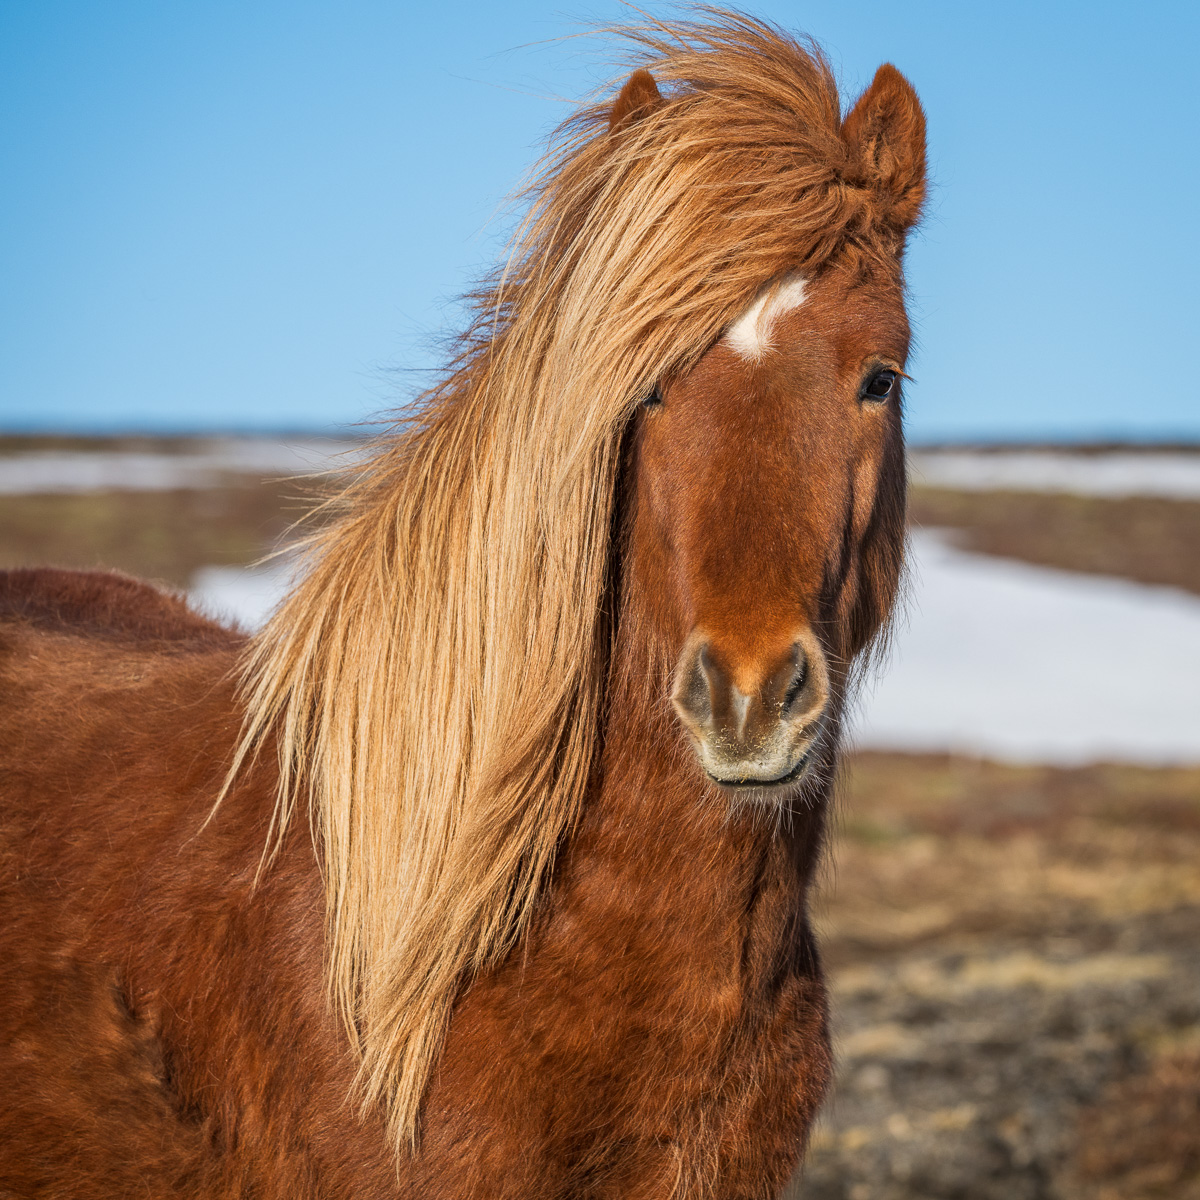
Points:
x=258, y=214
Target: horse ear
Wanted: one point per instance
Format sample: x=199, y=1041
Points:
x=885, y=135
x=638, y=97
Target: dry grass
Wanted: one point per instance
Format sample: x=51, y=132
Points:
x=1144, y=538
x=164, y=536
x=936, y=846
x=132, y=443
x=167, y=536
x=1016, y=983
x=1143, y=1139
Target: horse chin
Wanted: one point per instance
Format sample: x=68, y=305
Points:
x=776, y=790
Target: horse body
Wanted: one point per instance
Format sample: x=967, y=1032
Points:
x=561, y=691
x=133, y=989
x=167, y=1029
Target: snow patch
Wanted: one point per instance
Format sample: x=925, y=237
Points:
x=1172, y=474
x=1026, y=663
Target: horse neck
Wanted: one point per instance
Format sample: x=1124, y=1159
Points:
x=698, y=871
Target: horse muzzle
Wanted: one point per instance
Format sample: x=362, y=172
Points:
x=754, y=716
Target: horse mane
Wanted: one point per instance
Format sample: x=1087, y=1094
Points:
x=433, y=683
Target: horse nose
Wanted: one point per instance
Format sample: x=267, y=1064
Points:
x=754, y=718
x=711, y=695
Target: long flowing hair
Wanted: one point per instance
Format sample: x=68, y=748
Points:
x=433, y=684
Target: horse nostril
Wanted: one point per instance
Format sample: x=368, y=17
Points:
x=799, y=679
x=694, y=694
x=784, y=686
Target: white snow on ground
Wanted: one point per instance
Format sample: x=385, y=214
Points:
x=1118, y=473
x=209, y=466
x=1028, y=663
x=995, y=658
x=1173, y=474
x=241, y=596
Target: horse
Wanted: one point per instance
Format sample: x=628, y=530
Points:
x=559, y=690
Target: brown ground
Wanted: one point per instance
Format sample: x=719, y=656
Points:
x=164, y=536
x=23, y=443
x=1015, y=965
x=1014, y=951
x=1140, y=537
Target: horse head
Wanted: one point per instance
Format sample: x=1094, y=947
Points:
x=769, y=482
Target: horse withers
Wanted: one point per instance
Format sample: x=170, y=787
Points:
x=482, y=869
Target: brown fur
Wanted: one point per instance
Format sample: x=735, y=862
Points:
x=585, y=968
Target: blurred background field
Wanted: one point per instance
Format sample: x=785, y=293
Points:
x=1011, y=929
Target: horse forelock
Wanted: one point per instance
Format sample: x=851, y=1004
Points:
x=434, y=682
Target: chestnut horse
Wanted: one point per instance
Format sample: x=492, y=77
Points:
x=559, y=691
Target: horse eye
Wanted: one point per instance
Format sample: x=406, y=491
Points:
x=880, y=386
x=654, y=398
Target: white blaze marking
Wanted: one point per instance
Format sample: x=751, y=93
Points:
x=750, y=334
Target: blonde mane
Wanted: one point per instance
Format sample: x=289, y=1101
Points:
x=434, y=683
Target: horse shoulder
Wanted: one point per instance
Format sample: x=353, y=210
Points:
x=158, y=990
